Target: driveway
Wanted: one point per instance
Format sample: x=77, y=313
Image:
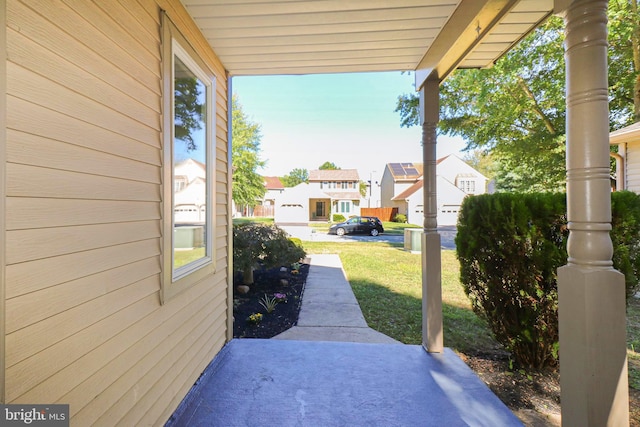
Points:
x=447, y=234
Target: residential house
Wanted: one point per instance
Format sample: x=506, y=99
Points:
x=265, y=207
x=189, y=205
x=328, y=192
x=102, y=311
x=402, y=187
x=190, y=191
x=628, y=157
x=342, y=189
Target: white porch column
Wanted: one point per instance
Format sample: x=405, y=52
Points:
x=431, y=260
x=593, y=362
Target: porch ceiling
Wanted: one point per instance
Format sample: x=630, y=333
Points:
x=260, y=37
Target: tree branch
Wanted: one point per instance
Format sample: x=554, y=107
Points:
x=536, y=106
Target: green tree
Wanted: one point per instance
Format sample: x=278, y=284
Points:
x=188, y=110
x=481, y=161
x=326, y=166
x=624, y=61
x=364, y=188
x=295, y=177
x=248, y=185
x=516, y=110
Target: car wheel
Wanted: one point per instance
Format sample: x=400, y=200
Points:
x=375, y=232
x=340, y=231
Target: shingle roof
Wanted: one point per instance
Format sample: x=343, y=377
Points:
x=272, y=183
x=334, y=175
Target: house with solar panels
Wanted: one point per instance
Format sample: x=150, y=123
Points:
x=402, y=187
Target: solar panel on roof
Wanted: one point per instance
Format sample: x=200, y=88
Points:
x=411, y=171
x=397, y=169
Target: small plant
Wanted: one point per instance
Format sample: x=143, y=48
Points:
x=280, y=297
x=255, y=318
x=295, y=266
x=339, y=218
x=402, y=218
x=269, y=304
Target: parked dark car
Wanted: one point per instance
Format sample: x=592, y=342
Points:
x=358, y=225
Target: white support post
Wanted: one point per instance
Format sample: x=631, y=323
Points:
x=593, y=358
x=432, y=336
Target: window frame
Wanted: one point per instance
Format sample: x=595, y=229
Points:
x=177, y=280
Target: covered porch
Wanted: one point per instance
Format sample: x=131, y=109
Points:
x=433, y=38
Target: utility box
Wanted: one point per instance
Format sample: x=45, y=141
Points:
x=187, y=237
x=413, y=240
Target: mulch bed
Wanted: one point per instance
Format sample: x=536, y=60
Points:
x=268, y=282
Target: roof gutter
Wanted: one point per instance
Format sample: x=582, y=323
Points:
x=620, y=171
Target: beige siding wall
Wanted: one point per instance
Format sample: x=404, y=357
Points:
x=3, y=146
x=633, y=167
x=84, y=324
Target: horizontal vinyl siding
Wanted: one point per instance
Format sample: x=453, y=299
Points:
x=84, y=323
x=633, y=167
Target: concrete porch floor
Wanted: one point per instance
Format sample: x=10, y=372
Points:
x=254, y=382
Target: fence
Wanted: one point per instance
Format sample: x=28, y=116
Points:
x=265, y=211
x=385, y=214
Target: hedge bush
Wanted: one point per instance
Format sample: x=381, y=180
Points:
x=625, y=235
x=510, y=247
x=262, y=244
x=402, y=218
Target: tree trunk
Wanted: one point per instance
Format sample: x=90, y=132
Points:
x=635, y=45
x=247, y=276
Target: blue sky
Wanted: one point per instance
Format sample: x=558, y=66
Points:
x=347, y=119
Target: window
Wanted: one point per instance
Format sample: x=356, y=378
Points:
x=345, y=207
x=467, y=185
x=189, y=135
x=179, y=183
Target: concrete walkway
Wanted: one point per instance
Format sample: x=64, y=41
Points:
x=330, y=311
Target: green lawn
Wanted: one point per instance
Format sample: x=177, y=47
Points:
x=387, y=283
x=184, y=257
x=252, y=219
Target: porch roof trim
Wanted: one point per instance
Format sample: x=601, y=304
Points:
x=270, y=37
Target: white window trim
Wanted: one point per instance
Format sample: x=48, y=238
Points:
x=175, y=281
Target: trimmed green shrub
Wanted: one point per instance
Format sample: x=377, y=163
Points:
x=261, y=244
x=510, y=247
x=625, y=235
x=402, y=218
x=339, y=218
